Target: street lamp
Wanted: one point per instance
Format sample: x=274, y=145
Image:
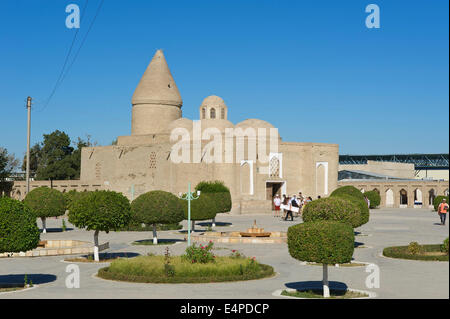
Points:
x=189, y=196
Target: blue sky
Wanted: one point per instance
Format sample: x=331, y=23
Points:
x=311, y=68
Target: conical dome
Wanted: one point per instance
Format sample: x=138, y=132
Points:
x=157, y=85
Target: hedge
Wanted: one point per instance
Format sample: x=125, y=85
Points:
x=325, y=242
x=18, y=228
x=438, y=200
x=374, y=197
x=203, y=208
x=45, y=202
x=333, y=208
x=157, y=207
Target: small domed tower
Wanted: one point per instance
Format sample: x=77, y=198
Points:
x=213, y=107
x=156, y=100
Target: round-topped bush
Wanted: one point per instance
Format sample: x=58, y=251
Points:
x=100, y=211
x=326, y=242
x=45, y=202
x=364, y=211
x=18, y=228
x=374, y=198
x=157, y=207
x=202, y=208
x=348, y=190
x=332, y=208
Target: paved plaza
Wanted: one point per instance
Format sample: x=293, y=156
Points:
x=387, y=227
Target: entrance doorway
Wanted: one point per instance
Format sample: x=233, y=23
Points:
x=272, y=189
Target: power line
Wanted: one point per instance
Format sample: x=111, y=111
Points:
x=63, y=75
x=65, y=60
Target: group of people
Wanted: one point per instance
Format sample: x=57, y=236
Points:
x=288, y=206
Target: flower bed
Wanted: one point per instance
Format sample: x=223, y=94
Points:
x=157, y=269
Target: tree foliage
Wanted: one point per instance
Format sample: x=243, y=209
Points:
x=100, y=210
x=157, y=207
x=332, y=208
x=219, y=192
x=18, y=228
x=325, y=242
x=45, y=202
x=202, y=208
x=374, y=198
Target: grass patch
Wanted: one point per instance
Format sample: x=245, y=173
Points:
x=318, y=293
x=149, y=242
x=11, y=289
x=428, y=252
x=151, y=269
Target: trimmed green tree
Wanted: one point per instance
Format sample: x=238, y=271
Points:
x=157, y=207
x=219, y=192
x=374, y=198
x=18, y=228
x=202, y=208
x=45, y=202
x=332, y=208
x=100, y=211
x=325, y=242
x=348, y=190
x=354, y=195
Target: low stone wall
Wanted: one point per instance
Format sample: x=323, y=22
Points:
x=59, y=247
x=19, y=189
x=235, y=238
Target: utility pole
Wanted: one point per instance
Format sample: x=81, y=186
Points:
x=28, y=143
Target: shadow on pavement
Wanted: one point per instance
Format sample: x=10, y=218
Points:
x=19, y=279
x=302, y=285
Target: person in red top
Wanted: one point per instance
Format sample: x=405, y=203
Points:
x=442, y=210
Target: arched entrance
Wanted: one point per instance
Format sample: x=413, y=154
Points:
x=418, y=200
x=403, y=198
x=431, y=197
x=389, y=198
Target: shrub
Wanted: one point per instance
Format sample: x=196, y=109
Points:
x=201, y=254
x=332, y=208
x=403, y=253
x=325, y=242
x=348, y=190
x=444, y=246
x=374, y=197
x=45, y=202
x=212, y=187
x=202, y=208
x=438, y=200
x=157, y=207
x=361, y=204
x=220, y=193
x=100, y=211
x=414, y=248
x=18, y=228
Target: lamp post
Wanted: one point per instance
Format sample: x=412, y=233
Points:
x=189, y=196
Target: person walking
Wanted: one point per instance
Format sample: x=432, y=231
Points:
x=277, y=204
x=295, y=203
x=287, y=211
x=443, y=210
